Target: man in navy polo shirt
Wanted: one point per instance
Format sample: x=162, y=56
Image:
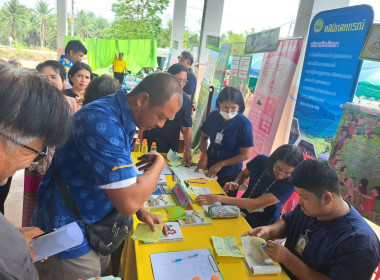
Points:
x=326, y=238
x=96, y=163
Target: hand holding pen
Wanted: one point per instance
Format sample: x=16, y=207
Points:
x=231, y=186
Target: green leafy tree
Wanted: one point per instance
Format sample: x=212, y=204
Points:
x=83, y=26
x=42, y=12
x=99, y=27
x=15, y=18
x=137, y=19
x=232, y=37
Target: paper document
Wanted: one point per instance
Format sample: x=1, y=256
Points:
x=165, y=171
x=184, y=265
x=143, y=232
x=257, y=261
x=201, y=190
x=226, y=246
x=57, y=241
x=185, y=173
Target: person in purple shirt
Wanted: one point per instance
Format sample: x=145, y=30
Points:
x=326, y=238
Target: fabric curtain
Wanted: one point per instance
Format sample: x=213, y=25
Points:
x=100, y=52
x=137, y=53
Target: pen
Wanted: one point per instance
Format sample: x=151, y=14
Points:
x=237, y=180
x=277, y=241
x=185, y=258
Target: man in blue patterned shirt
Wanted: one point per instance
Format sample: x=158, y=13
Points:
x=96, y=163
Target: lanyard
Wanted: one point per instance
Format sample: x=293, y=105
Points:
x=258, y=181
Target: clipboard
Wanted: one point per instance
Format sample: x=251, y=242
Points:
x=192, y=263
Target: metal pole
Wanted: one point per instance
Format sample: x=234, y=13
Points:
x=72, y=18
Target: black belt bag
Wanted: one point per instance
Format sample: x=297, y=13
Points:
x=104, y=236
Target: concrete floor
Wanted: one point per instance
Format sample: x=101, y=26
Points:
x=13, y=204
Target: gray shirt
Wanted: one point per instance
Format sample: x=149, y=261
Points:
x=15, y=262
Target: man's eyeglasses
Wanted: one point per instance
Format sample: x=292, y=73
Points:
x=40, y=156
x=279, y=171
x=181, y=81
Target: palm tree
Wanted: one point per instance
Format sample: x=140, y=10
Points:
x=83, y=24
x=42, y=11
x=99, y=27
x=14, y=17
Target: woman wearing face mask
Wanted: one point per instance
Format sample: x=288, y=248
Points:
x=268, y=186
x=80, y=75
x=230, y=134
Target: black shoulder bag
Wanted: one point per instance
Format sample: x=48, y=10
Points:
x=104, y=236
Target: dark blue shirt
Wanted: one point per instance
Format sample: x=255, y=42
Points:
x=237, y=134
x=167, y=137
x=191, y=84
x=96, y=157
x=343, y=248
x=281, y=189
x=70, y=93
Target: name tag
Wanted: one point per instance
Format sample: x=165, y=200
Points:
x=219, y=138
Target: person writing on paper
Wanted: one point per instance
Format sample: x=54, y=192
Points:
x=268, y=188
x=24, y=136
x=167, y=137
x=97, y=166
x=231, y=138
x=326, y=238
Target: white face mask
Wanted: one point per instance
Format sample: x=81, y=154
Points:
x=228, y=116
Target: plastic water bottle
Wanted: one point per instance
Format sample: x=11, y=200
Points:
x=153, y=147
x=144, y=147
x=137, y=147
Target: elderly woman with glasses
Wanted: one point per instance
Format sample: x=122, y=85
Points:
x=268, y=187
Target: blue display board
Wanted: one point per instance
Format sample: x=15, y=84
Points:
x=330, y=72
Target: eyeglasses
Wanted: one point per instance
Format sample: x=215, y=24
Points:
x=181, y=80
x=279, y=171
x=40, y=156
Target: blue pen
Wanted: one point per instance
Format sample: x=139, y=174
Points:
x=185, y=258
x=278, y=241
x=237, y=180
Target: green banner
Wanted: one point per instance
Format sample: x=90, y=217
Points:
x=265, y=41
x=212, y=43
x=355, y=158
x=220, y=71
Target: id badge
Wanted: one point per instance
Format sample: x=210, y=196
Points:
x=302, y=242
x=255, y=210
x=219, y=138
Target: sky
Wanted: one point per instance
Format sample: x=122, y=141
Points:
x=238, y=15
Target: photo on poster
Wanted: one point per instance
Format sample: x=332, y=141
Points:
x=371, y=48
x=307, y=148
x=294, y=131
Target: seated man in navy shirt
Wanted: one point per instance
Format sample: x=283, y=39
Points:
x=96, y=164
x=326, y=238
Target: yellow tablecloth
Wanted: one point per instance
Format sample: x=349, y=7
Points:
x=135, y=260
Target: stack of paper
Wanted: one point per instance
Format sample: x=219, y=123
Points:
x=256, y=260
x=196, y=218
x=143, y=232
x=160, y=201
x=226, y=246
x=185, y=173
x=184, y=265
x=170, y=214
